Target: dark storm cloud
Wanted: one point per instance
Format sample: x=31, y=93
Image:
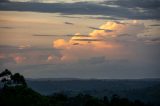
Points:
x=124, y=9
x=148, y=4
x=4, y=1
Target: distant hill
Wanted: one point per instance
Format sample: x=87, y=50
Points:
x=147, y=90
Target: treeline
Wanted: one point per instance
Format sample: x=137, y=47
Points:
x=16, y=93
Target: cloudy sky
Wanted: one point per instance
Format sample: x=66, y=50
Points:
x=104, y=39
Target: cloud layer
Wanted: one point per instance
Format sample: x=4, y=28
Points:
x=126, y=9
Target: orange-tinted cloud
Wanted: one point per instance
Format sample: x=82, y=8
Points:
x=98, y=42
x=2, y=56
x=19, y=59
x=60, y=43
x=52, y=59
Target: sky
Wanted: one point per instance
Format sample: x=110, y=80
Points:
x=102, y=39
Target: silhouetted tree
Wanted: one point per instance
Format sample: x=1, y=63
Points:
x=5, y=77
x=18, y=79
x=9, y=80
x=6, y=72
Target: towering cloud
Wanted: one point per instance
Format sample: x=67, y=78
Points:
x=99, y=42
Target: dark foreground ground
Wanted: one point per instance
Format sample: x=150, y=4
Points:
x=24, y=96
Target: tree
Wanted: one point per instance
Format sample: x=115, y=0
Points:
x=5, y=77
x=6, y=72
x=18, y=79
x=12, y=80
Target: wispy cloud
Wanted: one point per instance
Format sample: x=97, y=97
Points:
x=122, y=35
x=118, y=22
x=106, y=30
x=155, y=25
x=152, y=40
x=4, y=27
x=68, y=35
x=88, y=40
x=69, y=23
x=41, y=35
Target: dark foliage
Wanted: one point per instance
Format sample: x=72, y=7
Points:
x=24, y=96
x=21, y=96
x=18, y=79
x=9, y=79
x=6, y=72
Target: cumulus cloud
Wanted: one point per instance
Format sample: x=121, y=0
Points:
x=50, y=58
x=98, y=42
x=19, y=59
x=2, y=56
x=60, y=43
